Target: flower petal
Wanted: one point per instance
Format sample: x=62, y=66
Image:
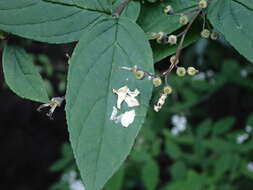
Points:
x=127, y=118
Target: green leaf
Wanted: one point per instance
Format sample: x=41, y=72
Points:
x=172, y=149
x=153, y=19
x=223, y=126
x=232, y=19
x=247, y=3
x=45, y=21
x=150, y=175
x=178, y=170
x=204, y=128
x=22, y=76
x=99, y=144
x=132, y=11
x=94, y=5
x=116, y=182
x=98, y=5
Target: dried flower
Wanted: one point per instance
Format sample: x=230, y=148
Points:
x=192, y=71
x=53, y=103
x=124, y=94
x=125, y=119
x=160, y=103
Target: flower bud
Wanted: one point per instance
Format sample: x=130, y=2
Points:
x=202, y=4
x=139, y=74
x=181, y=71
x=172, y=39
x=3, y=35
x=174, y=60
x=183, y=19
x=167, y=90
x=157, y=81
x=205, y=33
x=161, y=38
x=168, y=9
x=214, y=35
x=192, y=71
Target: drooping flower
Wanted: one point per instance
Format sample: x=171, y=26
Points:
x=53, y=103
x=124, y=94
x=125, y=119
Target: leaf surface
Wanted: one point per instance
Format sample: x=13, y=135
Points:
x=22, y=76
x=45, y=21
x=99, y=144
x=233, y=20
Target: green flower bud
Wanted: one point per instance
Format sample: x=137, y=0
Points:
x=181, y=71
x=214, y=35
x=167, y=90
x=202, y=4
x=157, y=81
x=168, y=9
x=183, y=19
x=139, y=74
x=161, y=38
x=205, y=33
x=172, y=39
x=3, y=35
x=174, y=60
x=192, y=71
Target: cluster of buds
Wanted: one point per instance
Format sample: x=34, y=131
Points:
x=184, y=19
x=205, y=33
x=181, y=71
x=163, y=38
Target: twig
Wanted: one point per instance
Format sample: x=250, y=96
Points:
x=117, y=12
x=180, y=47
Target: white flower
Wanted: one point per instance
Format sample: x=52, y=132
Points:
x=250, y=166
x=241, y=138
x=248, y=128
x=53, y=103
x=73, y=182
x=174, y=131
x=244, y=73
x=199, y=76
x=179, y=124
x=125, y=119
x=158, y=106
x=76, y=185
x=124, y=94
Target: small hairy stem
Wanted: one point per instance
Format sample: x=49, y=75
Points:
x=180, y=47
x=117, y=12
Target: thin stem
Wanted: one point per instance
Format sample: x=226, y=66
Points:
x=180, y=47
x=117, y=12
